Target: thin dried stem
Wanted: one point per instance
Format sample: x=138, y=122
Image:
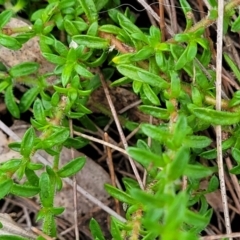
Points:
x=218, y=107
x=111, y=170
x=162, y=20
x=101, y=142
x=40, y=233
x=221, y=236
x=119, y=127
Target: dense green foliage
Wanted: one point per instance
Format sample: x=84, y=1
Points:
x=175, y=82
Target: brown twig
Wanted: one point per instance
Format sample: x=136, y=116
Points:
x=111, y=170
x=162, y=20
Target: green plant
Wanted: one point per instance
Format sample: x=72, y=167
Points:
x=155, y=71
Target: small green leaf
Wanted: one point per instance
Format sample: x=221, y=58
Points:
x=213, y=184
x=235, y=170
x=236, y=154
x=28, y=142
x=185, y=6
x=197, y=141
x=76, y=143
x=10, y=102
x=127, y=24
x=15, y=146
x=38, y=111
x=148, y=199
x=213, y=14
x=24, y=190
x=28, y=98
x=5, y=17
x=216, y=117
x=72, y=167
x=32, y=177
x=150, y=94
x=144, y=53
x=175, y=84
x=196, y=97
x=157, y=112
x=213, y=3
x=70, y=27
x=93, y=29
x=91, y=41
x=196, y=219
x=146, y=158
x=197, y=171
x=57, y=210
x=156, y=133
x=182, y=37
x=11, y=165
x=9, y=42
x=143, y=76
x=115, y=231
x=24, y=69
x=82, y=71
x=90, y=9
x=119, y=194
x=180, y=130
x=96, y=230
x=53, y=58
x=236, y=25
x=191, y=51
x=177, y=167
x=46, y=192
x=109, y=28
x=122, y=58
x=120, y=81
x=66, y=73
x=56, y=138
x=5, y=187
x=232, y=65
x=4, y=85
x=182, y=60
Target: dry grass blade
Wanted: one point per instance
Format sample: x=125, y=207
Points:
x=218, y=107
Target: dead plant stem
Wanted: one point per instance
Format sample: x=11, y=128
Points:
x=218, y=107
x=119, y=127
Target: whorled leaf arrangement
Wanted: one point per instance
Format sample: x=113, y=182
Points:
x=157, y=72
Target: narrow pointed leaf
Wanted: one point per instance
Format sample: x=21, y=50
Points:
x=119, y=194
x=9, y=42
x=96, y=230
x=91, y=41
x=10, y=102
x=145, y=157
x=216, y=117
x=141, y=75
x=90, y=9
x=5, y=17
x=24, y=190
x=24, y=69
x=72, y=167
x=5, y=187
x=28, y=142
x=28, y=98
